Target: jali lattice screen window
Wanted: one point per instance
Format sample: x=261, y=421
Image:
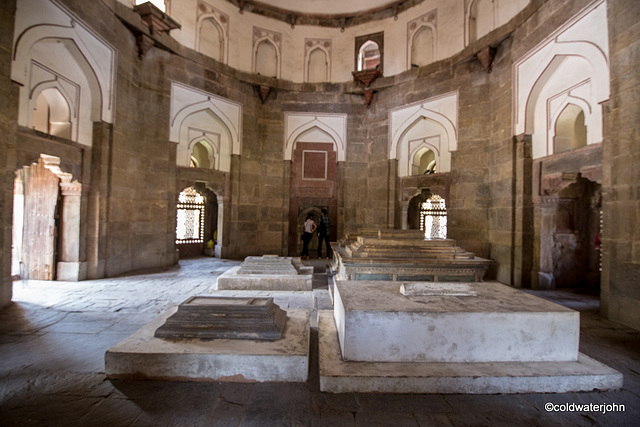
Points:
x=190, y=221
x=433, y=218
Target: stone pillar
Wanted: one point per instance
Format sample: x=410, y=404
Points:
x=220, y=250
x=286, y=200
x=522, y=257
x=341, y=195
x=96, y=247
x=70, y=267
x=405, y=214
x=392, y=193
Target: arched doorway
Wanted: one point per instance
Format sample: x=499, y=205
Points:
x=196, y=221
x=569, y=229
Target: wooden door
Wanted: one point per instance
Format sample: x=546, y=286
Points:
x=41, y=194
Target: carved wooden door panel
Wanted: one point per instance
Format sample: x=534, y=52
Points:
x=40, y=202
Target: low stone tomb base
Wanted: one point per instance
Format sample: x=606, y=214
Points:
x=339, y=376
x=470, y=322
x=142, y=355
x=268, y=273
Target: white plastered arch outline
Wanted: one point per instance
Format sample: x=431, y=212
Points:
x=256, y=46
x=411, y=40
x=212, y=147
x=70, y=100
x=307, y=62
x=332, y=125
x=223, y=34
x=40, y=22
x=192, y=109
x=571, y=63
x=430, y=120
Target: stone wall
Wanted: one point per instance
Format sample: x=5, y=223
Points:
x=620, y=296
x=8, y=125
x=132, y=179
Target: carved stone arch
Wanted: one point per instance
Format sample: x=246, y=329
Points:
x=582, y=57
x=423, y=144
x=411, y=41
x=470, y=32
x=276, y=50
x=224, y=37
x=310, y=124
x=422, y=114
x=71, y=105
x=95, y=56
x=211, y=147
x=555, y=115
x=307, y=62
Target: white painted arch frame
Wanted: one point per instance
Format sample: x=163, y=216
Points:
x=416, y=145
x=333, y=125
x=443, y=110
x=212, y=147
x=72, y=102
x=577, y=39
x=40, y=20
x=187, y=101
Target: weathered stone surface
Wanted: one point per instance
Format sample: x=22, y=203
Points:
x=209, y=318
x=405, y=255
x=269, y=272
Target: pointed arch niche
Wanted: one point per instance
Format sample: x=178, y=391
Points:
x=570, y=68
x=314, y=146
x=267, y=52
x=58, y=57
x=423, y=127
x=421, y=40
x=212, y=32
x=317, y=60
x=198, y=116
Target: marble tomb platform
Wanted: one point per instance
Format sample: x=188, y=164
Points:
x=268, y=272
x=487, y=338
x=144, y=355
x=405, y=255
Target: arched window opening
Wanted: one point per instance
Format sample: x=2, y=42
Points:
x=481, y=19
x=424, y=162
x=190, y=217
x=571, y=131
x=52, y=114
x=422, y=47
x=201, y=155
x=318, y=67
x=266, y=59
x=369, y=56
x=211, y=39
x=433, y=218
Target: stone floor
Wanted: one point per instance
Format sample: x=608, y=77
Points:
x=54, y=337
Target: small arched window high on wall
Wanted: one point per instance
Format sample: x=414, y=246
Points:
x=369, y=56
x=433, y=218
x=190, y=217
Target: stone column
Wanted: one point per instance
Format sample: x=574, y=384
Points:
x=542, y=274
x=405, y=214
x=286, y=200
x=96, y=246
x=522, y=257
x=70, y=267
